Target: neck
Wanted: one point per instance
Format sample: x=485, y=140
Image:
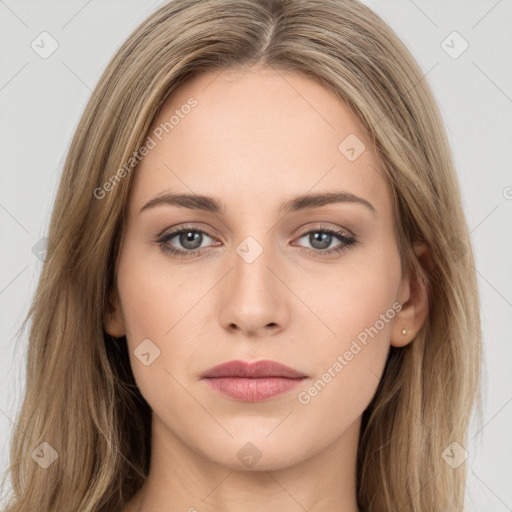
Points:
x=182, y=479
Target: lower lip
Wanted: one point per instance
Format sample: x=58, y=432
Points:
x=252, y=389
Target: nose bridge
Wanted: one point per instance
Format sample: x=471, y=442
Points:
x=254, y=298
x=252, y=261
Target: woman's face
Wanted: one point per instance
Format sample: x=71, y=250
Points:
x=315, y=286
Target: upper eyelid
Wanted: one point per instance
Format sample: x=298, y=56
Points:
x=333, y=229
x=176, y=230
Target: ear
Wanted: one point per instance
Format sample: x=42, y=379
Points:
x=413, y=295
x=114, y=323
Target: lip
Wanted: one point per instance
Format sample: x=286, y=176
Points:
x=254, y=370
x=252, y=382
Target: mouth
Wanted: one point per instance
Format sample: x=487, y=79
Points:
x=252, y=382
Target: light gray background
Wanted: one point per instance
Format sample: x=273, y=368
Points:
x=41, y=101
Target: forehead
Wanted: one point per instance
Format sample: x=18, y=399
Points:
x=256, y=135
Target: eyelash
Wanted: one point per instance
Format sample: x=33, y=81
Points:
x=348, y=242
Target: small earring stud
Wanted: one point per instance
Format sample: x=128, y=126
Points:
x=404, y=332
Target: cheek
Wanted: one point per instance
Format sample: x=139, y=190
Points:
x=358, y=306
x=155, y=305
x=155, y=296
x=358, y=296
x=349, y=363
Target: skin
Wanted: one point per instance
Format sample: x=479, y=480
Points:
x=257, y=138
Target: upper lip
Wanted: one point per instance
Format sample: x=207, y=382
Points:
x=253, y=370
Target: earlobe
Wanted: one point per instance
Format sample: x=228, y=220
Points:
x=114, y=325
x=414, y=299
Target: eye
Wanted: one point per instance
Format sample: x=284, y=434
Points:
x=321, y=239
x=191, y=240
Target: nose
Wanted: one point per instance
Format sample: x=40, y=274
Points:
x=254, y=298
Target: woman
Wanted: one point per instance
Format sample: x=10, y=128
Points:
x=259, y=291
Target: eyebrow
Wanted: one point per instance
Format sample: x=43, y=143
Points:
x=299, y=203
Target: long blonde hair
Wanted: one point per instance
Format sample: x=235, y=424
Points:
x=80, y=395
